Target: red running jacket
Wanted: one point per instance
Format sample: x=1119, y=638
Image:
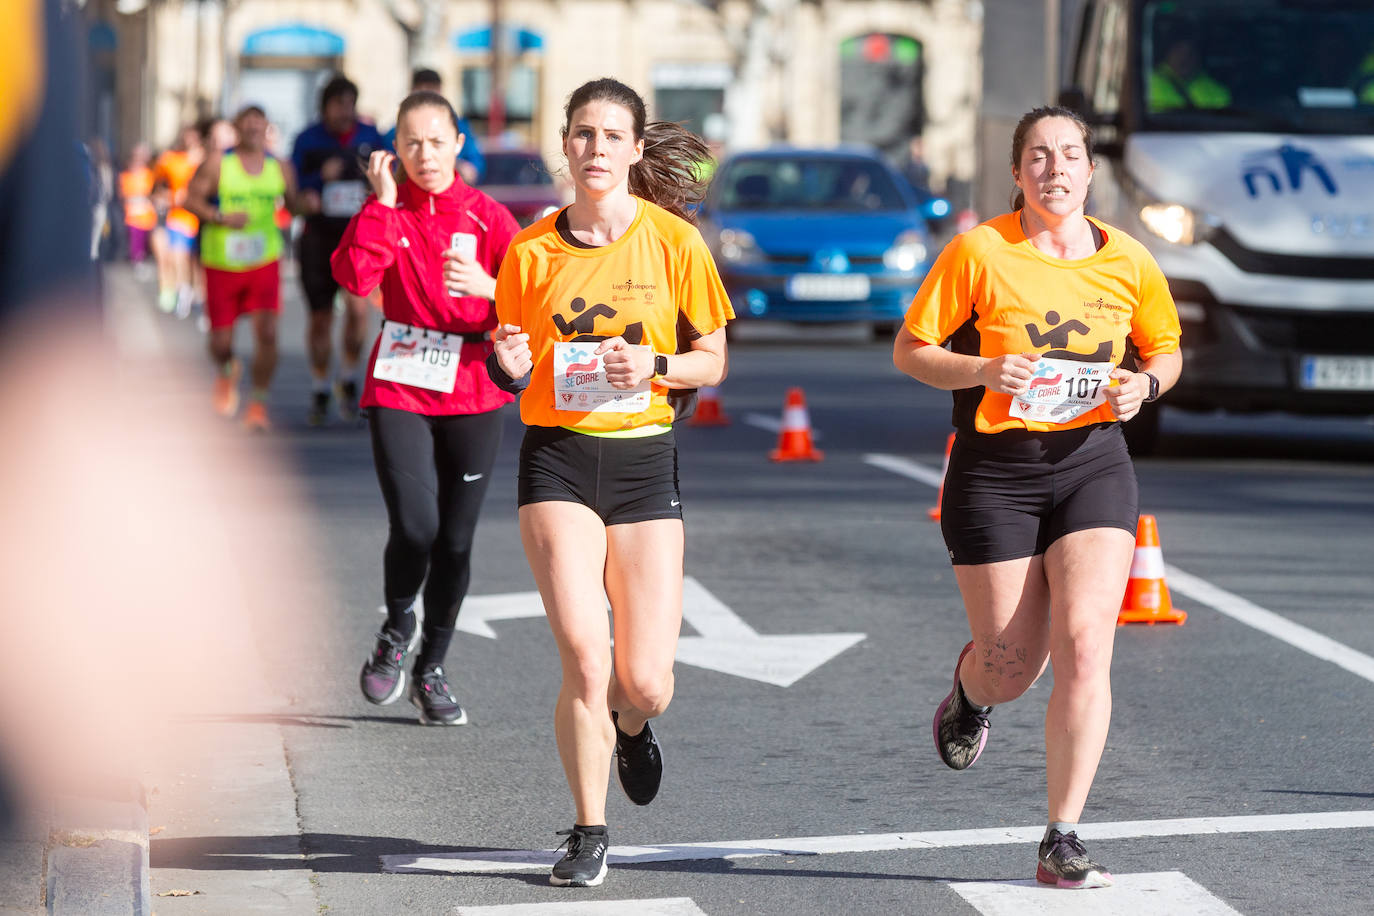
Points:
x=402, y=248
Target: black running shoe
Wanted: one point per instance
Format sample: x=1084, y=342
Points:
x=384, y=673
x=584, y=864
x=961, y=729
x=430, y=693
x=347, y=393
x=1064, y=863
x=318, y=415
x=638, y=763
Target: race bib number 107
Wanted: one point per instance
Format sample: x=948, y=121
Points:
x=579, y=382
x=1062, y=390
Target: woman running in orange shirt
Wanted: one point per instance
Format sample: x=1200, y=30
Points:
x=593, y=302
x=1040, y=309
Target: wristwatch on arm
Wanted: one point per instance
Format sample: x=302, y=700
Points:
x=661, y=366
x=1154, y=387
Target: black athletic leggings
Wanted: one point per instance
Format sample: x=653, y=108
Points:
x=433, y=472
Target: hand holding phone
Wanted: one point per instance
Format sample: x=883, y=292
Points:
x=462, y=273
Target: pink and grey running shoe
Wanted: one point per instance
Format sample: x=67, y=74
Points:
x=960, y=728
x=1064, y=863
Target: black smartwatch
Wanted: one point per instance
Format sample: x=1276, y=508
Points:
x=661, y=365
x=1154, y=387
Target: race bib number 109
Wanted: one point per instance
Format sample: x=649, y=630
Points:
x=418, y=357
x=1062, y=390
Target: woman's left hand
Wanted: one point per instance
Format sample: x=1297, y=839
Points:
x=1126, y=396
x=465, y=277
x=626, y=365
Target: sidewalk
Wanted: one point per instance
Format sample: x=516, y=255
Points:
x=215, y=791
x=79, y=857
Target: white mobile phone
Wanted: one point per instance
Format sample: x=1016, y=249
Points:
x=465, y=243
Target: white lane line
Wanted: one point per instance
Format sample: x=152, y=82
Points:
x=1203, y=592
x=663, y=906
x=773, y=424
x=1150, y=894
x=502, y=860
x=906, y=468
x=1252, y=615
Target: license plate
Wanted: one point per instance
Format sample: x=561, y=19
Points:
x=831, y=287
x=1337, y=373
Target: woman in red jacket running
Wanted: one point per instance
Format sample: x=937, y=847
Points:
x=434, y=245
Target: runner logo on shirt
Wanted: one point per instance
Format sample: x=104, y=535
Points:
x=582, y=323
x=1057, y=336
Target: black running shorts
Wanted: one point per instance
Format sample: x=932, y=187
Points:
x=1011, y=495
x=314, y=248
x=621, y=480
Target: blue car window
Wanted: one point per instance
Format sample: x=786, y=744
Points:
x=841, y=185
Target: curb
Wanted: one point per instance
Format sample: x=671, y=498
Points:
x=97, y=856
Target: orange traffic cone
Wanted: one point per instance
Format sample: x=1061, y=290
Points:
x=934, y=511
x=1147, y=597
x=709, y=412
x=794, y=440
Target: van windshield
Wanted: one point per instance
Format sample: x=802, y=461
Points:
x=1259, y=65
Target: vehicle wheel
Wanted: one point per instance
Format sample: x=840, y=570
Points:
x=1142, y=430
x=885, y=330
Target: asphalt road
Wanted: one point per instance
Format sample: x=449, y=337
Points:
x=1217, y=719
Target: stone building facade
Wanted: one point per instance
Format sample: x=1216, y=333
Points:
x=831, y=71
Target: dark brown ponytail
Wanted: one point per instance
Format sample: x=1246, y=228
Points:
x=668, y=173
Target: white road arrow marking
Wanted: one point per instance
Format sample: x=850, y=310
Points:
x=479, y=609
x=726, y=643
x=729, y=645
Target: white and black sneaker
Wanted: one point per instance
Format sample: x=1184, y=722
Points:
x=638, y=763
x=584, y=864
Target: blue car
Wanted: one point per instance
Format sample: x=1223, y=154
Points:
x=816, y=235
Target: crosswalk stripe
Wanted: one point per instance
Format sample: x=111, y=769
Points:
x=665, y=906
x=505, y=860
x=1148, y=894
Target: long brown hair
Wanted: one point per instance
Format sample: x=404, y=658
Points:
x=1029, y=120
x=667, y=174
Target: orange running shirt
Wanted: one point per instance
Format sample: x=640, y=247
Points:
x=991, y=293
x=135, y=188
x=635, y=287
x=176, y=168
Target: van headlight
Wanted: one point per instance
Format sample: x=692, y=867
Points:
x=907, y=252
x=739, y=247
x=1176, y=223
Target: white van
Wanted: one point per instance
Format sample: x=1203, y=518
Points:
x=1236, y=140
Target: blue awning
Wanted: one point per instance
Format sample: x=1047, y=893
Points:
x=294, y=40
x=518, y=40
